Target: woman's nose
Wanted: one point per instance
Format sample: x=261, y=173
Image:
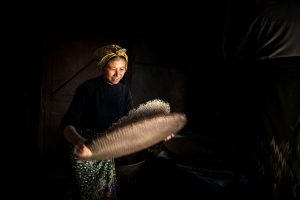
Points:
x=117, y=72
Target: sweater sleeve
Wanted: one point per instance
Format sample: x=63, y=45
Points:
x=76, y=108
x=128, y=102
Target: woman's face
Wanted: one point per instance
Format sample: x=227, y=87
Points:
x=114, y=70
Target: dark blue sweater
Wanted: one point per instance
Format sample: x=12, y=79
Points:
x=96, y=105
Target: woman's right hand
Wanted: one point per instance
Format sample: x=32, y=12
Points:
x=81, y=150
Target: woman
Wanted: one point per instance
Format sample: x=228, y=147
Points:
x=97, y=104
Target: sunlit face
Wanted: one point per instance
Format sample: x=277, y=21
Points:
x=114, y=70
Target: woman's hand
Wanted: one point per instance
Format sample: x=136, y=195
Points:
x=81, y=150
x=169, y=137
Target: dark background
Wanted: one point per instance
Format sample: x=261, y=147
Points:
x=196, y=39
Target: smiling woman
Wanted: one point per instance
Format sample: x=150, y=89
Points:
x=97, y=103
x=115, y=70
x=112, y=63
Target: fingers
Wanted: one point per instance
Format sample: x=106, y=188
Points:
x=82, y=151
x=169, y=137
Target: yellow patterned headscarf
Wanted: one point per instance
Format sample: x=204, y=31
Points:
x=105, y=53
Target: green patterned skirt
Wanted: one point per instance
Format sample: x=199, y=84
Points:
x=95, y=179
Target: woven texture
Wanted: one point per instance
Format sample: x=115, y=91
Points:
x=145, y=126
